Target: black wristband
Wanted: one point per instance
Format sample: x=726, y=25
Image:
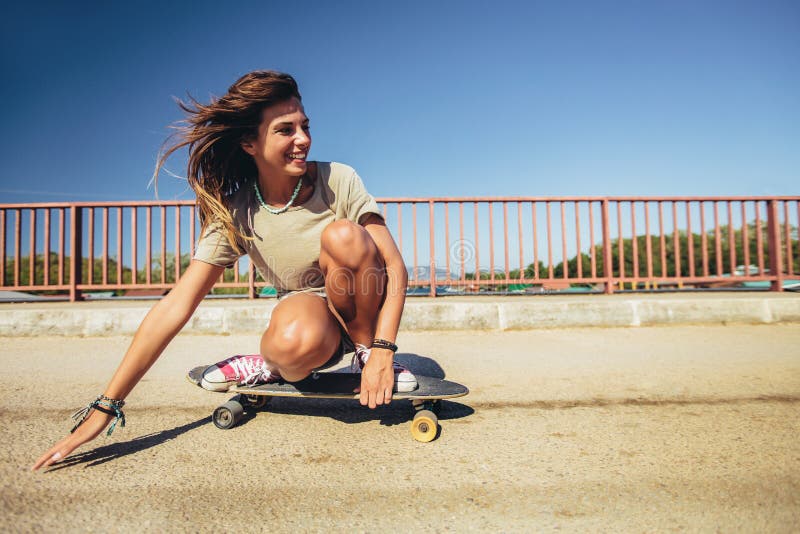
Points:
x=105, y=410
x=383, y=344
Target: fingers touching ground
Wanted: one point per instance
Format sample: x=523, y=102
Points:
x=59, y=451
x=87, y=431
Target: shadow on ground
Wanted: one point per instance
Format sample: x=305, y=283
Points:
x=106, y=453
x=421, y=365
x=351, y=412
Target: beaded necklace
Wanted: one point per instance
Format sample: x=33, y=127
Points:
x=277, y=211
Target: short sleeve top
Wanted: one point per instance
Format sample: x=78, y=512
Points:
x=285, y=247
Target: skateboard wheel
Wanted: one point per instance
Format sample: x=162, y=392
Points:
x=227, y=415
x=425, y=426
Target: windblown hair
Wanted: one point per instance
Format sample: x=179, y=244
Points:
x=218, y=166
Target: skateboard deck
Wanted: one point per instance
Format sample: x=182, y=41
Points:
x=334, y=385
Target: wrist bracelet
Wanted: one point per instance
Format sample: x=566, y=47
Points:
x=114, y=402
x=383, y=344
x=103, y=404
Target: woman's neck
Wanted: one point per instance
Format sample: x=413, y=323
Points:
x=277, y=190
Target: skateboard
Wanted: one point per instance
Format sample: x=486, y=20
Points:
x=334, y=385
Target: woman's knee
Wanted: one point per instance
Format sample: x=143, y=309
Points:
x=298, y=340
x=348, y=244
x=283, y=342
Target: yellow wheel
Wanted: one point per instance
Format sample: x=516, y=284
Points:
x=425, y=426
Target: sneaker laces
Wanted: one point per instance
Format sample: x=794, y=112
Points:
x=256, y=377
x=249, y=371
x=360, y=357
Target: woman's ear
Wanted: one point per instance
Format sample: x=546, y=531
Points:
x=248, y=146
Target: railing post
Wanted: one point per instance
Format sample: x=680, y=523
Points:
x=76, y=253
x=774, y=245
x=251, y=281
x=608, y=268
x=433, y=259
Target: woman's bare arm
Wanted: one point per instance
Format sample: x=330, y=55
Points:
x=377, y=378
x=396, y=279
x=158, y=328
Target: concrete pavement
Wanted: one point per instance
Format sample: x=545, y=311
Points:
x=679, y=428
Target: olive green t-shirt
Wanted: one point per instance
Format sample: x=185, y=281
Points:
x=285, y=247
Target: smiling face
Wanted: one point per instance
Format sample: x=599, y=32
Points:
x=283, y=141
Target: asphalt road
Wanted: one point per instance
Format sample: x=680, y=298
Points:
x=637, y=430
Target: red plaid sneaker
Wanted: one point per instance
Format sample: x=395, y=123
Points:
x=240, y=370
x=404, y=380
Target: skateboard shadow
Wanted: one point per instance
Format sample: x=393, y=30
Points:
x=106, y=453
x=348, y=411
x=421, y=365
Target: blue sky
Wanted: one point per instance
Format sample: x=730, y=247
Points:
x=422, y=98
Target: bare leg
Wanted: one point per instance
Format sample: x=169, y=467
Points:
x=355, y=277
x=303, y=332
x=302, y=335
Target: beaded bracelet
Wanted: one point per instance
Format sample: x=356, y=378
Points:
x=383, y=344
x=103, y=404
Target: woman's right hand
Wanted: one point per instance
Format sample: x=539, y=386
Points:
x=160, y=325
x=91, y=427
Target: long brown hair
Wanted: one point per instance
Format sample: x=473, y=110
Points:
x=213, y=132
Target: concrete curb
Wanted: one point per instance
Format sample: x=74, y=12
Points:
x=227, y=317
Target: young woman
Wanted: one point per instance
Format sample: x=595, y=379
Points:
x=310, y=228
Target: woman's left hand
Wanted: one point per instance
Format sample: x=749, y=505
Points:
x=377, y=378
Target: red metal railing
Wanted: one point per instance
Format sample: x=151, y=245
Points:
x=604, y=246
x=518, y=244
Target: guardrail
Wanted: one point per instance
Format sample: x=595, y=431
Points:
x=451, y=245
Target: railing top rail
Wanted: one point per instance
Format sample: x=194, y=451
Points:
x=588, y=198
x=100, y=204
x=157, y=203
